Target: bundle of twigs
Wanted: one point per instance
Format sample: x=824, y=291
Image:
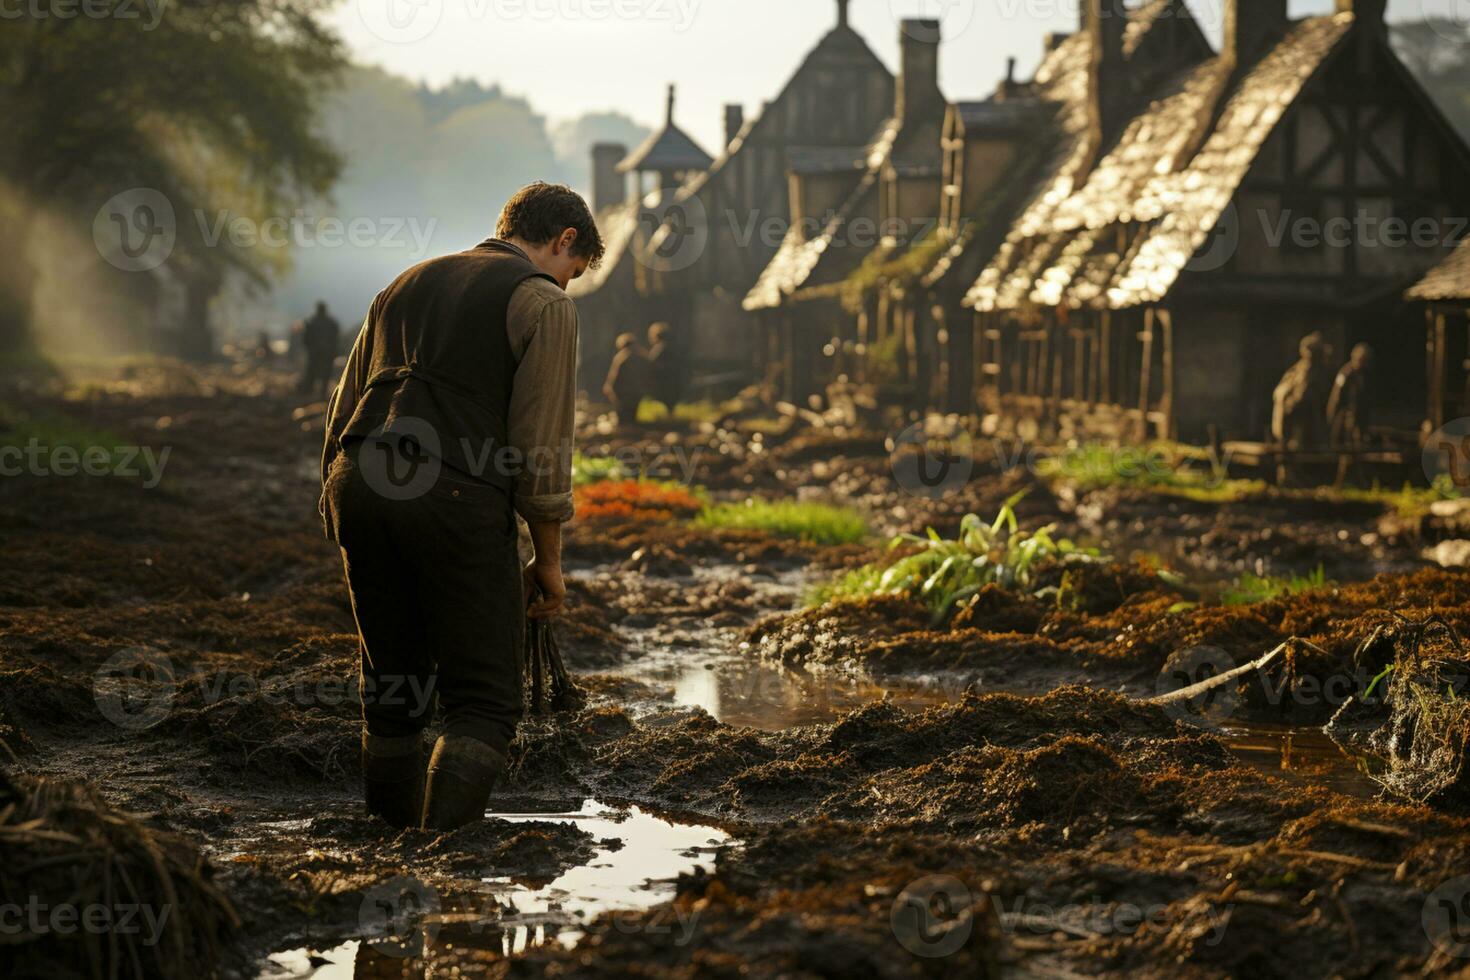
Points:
x=548, y=685
x=102, y=893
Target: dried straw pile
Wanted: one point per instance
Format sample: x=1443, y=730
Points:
x=98, y=893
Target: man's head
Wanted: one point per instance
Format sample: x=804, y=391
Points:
x=321, y=306
x=657, y=333
x=1362, y=355
x=1313, y=346
x=626, y=340
x=554, y=226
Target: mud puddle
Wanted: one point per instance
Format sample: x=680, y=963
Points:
x=639, y=857
x=1302, y=755
x=705, y=665
x=743, y=692
x=747, y=693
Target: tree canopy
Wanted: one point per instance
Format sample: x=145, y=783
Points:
x=212, y=105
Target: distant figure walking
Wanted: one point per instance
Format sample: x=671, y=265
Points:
x=627, y=379
x=1350, y=407
x=321, y=337
x=665, y=372
x=1299, y=403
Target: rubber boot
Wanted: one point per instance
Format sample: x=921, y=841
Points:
x=393, y=777
x=462, y=772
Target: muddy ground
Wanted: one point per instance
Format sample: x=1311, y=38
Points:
x=991, y=795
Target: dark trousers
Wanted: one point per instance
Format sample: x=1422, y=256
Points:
x=435, y=582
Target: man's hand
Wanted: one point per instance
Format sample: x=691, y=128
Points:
x=544, y=581
x=544, y=574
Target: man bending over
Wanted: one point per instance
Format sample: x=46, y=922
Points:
x=455, y=413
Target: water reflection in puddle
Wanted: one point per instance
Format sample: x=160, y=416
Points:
x=1304, y=755
x=638, y=858
x=770, y=697
x=636, y=867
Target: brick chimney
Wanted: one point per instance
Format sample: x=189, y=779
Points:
x=918, y=71
x=1250, y=25
x=1106, y=21
x=609, y=187
x=1370, y=13
x=734, y=121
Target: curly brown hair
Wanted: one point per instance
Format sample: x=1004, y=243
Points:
x=539, y=212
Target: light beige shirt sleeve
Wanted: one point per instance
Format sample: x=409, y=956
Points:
x=542, y=324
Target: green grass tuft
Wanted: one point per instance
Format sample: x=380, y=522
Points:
x=1167, y=467
x=1250, y=589
x=817, y=523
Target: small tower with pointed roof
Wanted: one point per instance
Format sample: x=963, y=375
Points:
x=669, y=154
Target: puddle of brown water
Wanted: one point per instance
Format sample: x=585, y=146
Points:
x=749, y=693
x=1304, y=755
x=744, y=692
x=639, y=857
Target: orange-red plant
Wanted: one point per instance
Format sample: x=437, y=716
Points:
x=635, y=500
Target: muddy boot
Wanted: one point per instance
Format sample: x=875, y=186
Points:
x=393, y=778
x=462, y=772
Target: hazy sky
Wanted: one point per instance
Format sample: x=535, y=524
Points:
x=572, y=56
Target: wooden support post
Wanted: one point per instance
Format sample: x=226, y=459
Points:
x=1079, y=363
x=961, y=355
x=1437, y=357
x=1146, y=371
x=1043, y=362
x=1058, y=362
x=1166, y=317
x=918, y=330
x=1105, y=358
x=1465, y=370
x=903, y=323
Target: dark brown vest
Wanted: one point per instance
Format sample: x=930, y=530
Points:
x=438, y=363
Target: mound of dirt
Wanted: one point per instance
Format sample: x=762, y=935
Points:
x=103, y=893
x=1130, y=631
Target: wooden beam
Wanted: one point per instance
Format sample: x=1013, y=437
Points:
x=1437, y=355
x=1166, y=317
x=1146, y=370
